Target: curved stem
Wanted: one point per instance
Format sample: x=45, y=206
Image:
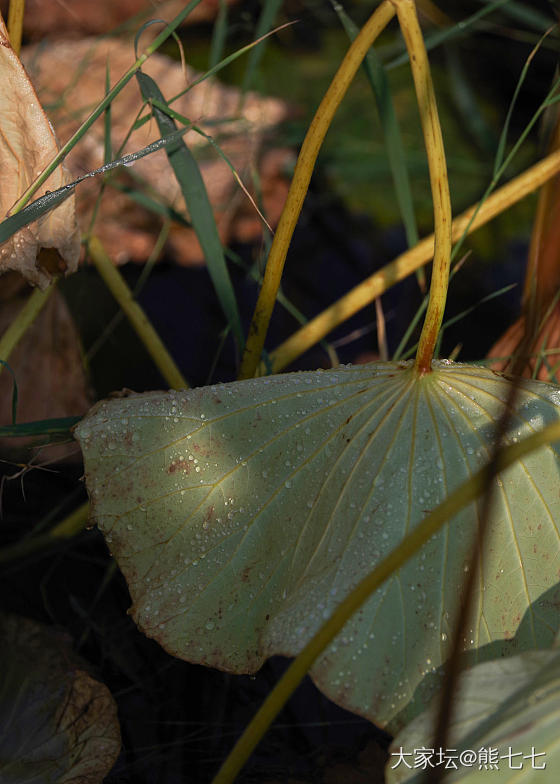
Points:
x=408, y=20
x=300, y=182
x=403, y=265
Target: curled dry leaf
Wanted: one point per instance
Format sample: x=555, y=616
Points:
x=57, y=724
x=51, y=245
x=82, y=17
x=48, y=366
x=542, y=283
x=545, y=350
x=71, y=77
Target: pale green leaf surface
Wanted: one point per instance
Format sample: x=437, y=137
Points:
x=241, y=514
x=57, y=724
x=512, y=705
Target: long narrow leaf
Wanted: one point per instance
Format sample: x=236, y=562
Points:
x=100, y=108
x=108, y=147
x=264, y=25
x=219, y=34
x=198, y=204
x=41, y=427
x=216, y=68
x=457, y=31
x=503, y=136
x=377, y=78
x=51, y=200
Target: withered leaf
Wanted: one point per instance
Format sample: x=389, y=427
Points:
x=27, y=144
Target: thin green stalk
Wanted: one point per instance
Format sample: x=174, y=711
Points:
x=469, y=491
x=219, y=34
x=548, y=101
x=267, y=16
x=193, y=189
x=300, y=182
x=138, y=319
x=394, y=147
x=216, y=68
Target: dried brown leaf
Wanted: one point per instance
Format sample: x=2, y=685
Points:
x=544, y=359
x=82, y=17
x=27, y=144
x=57, y=722
x=71, y=77
x=48, y=366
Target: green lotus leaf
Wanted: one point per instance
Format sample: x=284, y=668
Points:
x=505, y=725
x=57, y=724
x=241, y=514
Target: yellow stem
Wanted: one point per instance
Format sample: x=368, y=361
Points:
x=408, y=20
x=415, y=539
x=138, y=319
x=15, y=23
x=300, y=182
x=398, y=269
x=26, y=316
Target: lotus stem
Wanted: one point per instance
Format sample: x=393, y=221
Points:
x=425, y=96
x=403, y=265
x=300, y=183
x=15, y=23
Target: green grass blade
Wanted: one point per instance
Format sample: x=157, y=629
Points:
x=150, y=204
x=34, y=211
x=551, y=98
x=462, y=315
x=529, y=17
x=458, y=30
x=219, y=34
x=100, y=108
x=212, y=71
x=182, y=119
x=41, y=427
x=500, y=152
x=264, y=25
x=225, y=62
x=194, y=192
x=377, y=78
x=52, y=199
x=108, y=147
x=467, y=101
